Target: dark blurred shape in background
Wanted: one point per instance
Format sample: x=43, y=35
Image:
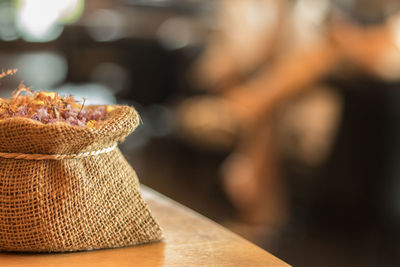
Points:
x=278, y=119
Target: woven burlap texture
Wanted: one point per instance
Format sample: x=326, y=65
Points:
x=71, y=204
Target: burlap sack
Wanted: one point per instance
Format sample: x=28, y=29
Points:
x=66, y=188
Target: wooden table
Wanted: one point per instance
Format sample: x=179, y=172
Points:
x=190, y=240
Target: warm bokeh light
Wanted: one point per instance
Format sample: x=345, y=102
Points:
x=105, y=25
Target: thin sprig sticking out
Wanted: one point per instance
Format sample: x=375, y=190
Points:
x=7, y=72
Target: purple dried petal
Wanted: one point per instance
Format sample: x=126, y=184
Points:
x=22, y=110
x=73, y=112
x=81, y=123
x=42, y=114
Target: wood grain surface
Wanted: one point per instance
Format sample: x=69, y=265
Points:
x=190, y=240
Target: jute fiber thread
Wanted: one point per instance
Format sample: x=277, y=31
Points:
x=55, y=156
x=84, y=195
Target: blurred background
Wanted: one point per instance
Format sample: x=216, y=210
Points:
x=279, y=119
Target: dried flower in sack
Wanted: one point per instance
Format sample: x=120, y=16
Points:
x=49, y=107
